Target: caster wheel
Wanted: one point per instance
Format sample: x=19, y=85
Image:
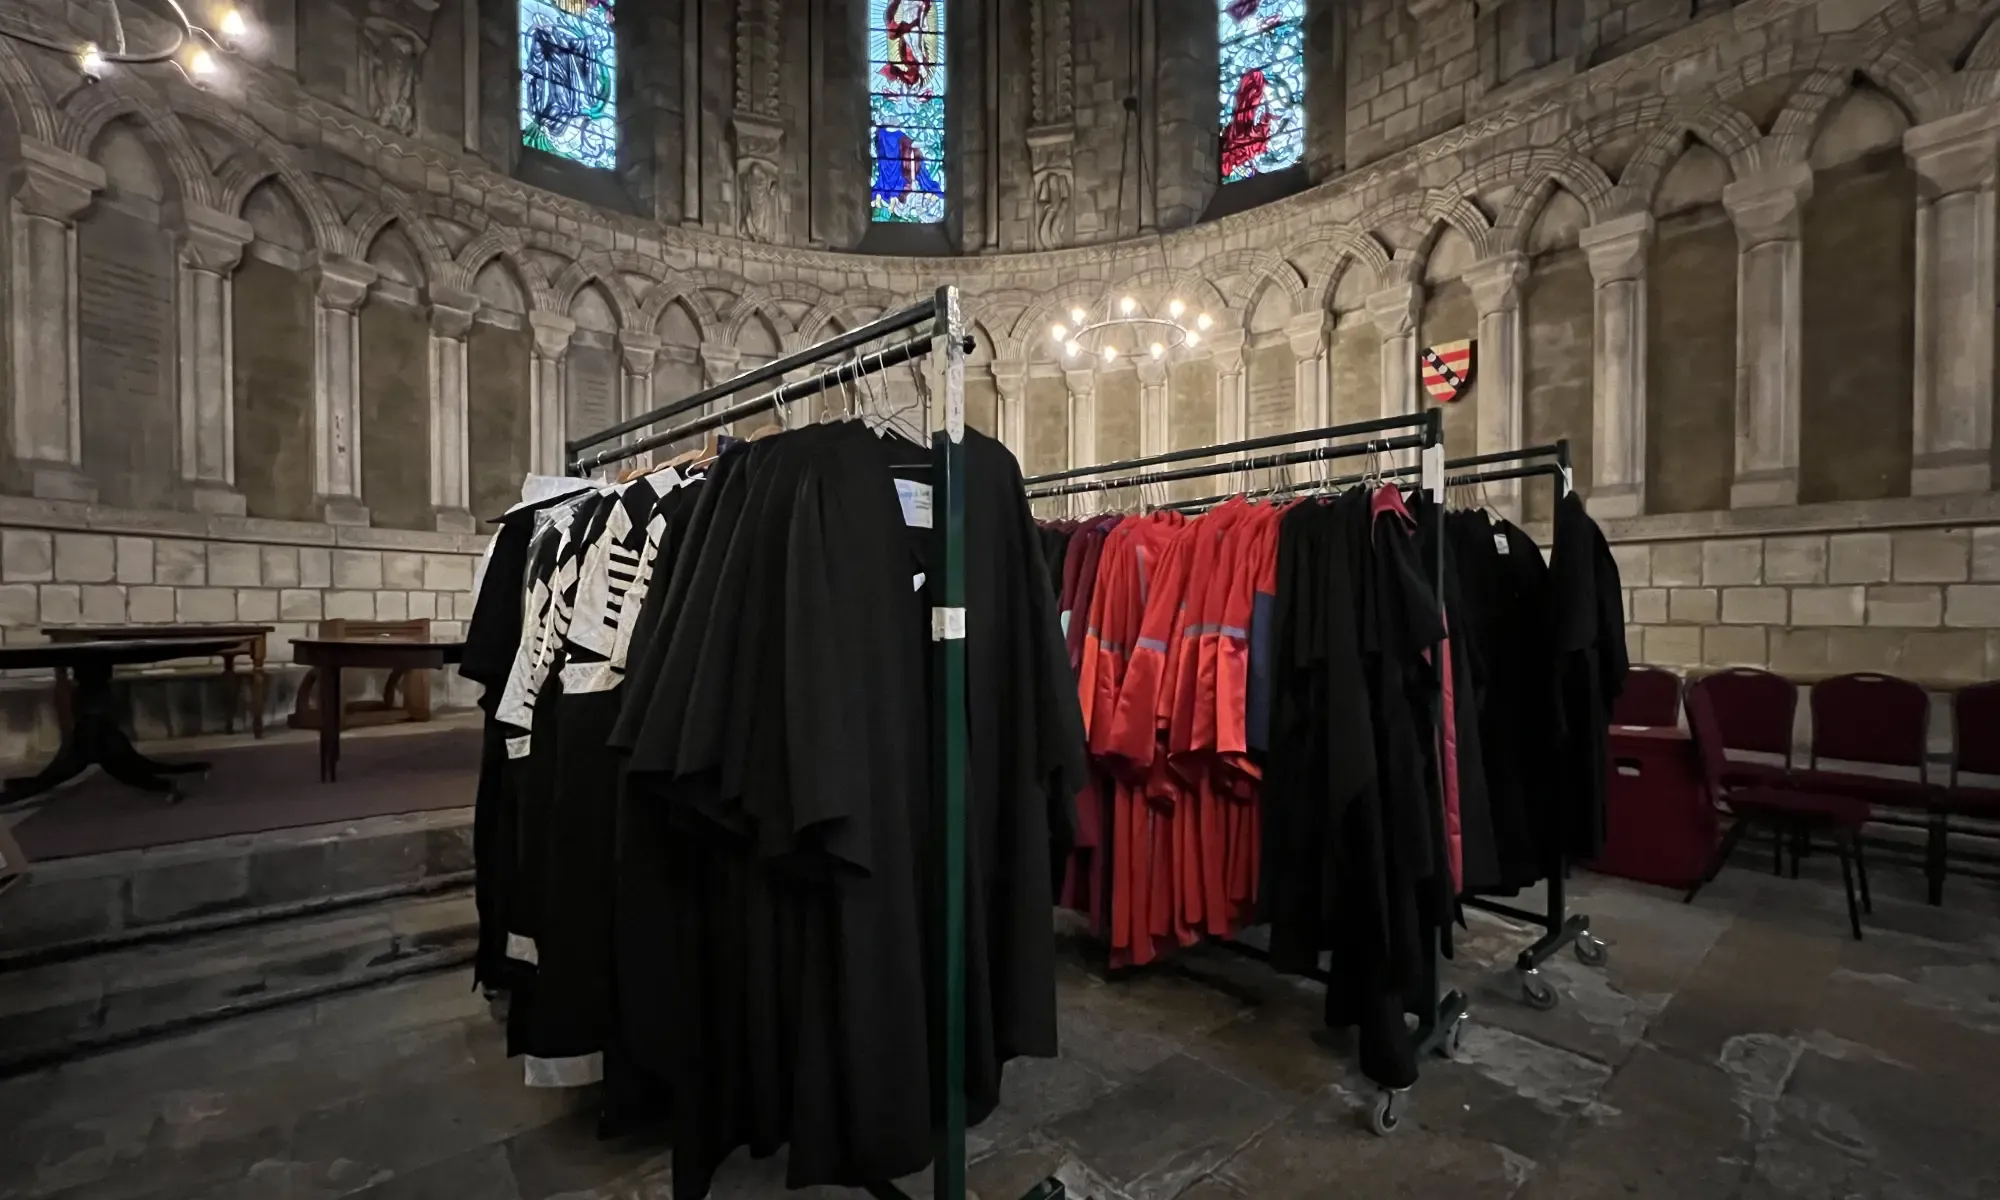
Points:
x=1387, y=1114
x=1538, y=992
x=1454, y=1040
x=1591, y=952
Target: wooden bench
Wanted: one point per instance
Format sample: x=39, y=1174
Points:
x=406, y=694
x=246, y=641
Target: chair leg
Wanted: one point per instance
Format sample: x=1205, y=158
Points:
x=1840, y=843
x=1934, y=858
x=1799, y=836
x=1721, y=857
x=1861, y=873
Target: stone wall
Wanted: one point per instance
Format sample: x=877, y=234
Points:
x=324, y=313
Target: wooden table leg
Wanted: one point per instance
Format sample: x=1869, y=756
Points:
x=329, y=722
x=234, y=693
x=258, y=682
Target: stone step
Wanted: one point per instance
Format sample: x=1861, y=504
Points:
x=59, y=1010
x=76, y=906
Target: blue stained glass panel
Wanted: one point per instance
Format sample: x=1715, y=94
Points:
x=569, y=79
x=906, y=96
x=1262, y=86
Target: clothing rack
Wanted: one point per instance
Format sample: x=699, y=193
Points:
x=945, y=344
x=1442, y=1023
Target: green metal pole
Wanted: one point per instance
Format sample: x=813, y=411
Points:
x=948, y=630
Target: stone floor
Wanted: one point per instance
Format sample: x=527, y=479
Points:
x=1739, y=1049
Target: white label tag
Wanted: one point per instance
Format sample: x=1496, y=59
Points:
x=947, y=624
x=1500, y=543
x=917, y=582
x=916, y=498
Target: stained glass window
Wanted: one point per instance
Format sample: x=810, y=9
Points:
x=1263, y=86
x=906, y=110
x=569, y=79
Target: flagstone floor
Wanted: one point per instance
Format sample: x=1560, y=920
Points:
x=1742, y=1048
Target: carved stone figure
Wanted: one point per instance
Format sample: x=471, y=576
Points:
x=1052, y=195
x=757, y=192
x=395, y=54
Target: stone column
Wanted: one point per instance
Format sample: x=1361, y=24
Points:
x=211, y=246
x=1769, y=379
x=1232, y=402
x=1312, y=402
x=451, y=431
x=1154, y=415
x=1010, y=382
x=1617, y=252
x=720, y=364
x=50, y=188
x=639, y=352
x=547, y=412
x=341, y=284
x=1496, y=291
x=1082, y=427
x=1394, y=309
x=1953, y=393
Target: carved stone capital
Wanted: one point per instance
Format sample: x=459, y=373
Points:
x=342, y=283
x=720, y=362
x=1496, y=282
x=211, y=240
x=1152, y=371
x=756, y=136
x=1082, y=383
x=1308, y=333
x=452, y=310
x=1765, y=206
x=639, y=349
x=1009, y=378
x=54, y=183
x=1395, y=308
x=1225, y=347
x=552, y=334
x=1617, y=248
x=1957, y=153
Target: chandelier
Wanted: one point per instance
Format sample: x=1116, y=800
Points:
x=1128, y=330
x=189, y=46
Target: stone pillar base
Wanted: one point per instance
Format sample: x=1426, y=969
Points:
x=54, y=481
x=1765, y=489
x=456, y=520
x=1614, y=502
x=343, y=510
x=1951, y=473
x=218, y=500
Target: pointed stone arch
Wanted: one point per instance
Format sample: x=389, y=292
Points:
x=93, y=108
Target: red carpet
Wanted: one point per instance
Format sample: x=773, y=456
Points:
x=254, y=788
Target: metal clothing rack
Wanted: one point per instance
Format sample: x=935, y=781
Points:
x=1559, y=927
x=1442, y=1023
x=944, y=344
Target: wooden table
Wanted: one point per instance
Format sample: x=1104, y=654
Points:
x=93, y=737
x=332, y=655
x=245, y=640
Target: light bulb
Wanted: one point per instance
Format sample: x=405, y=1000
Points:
x=1193, y=338
x=1126, y=305
x=1175, y=308
x=1202, y=322
x=90, y=60
x=1158, y=350
x=1076, y=316
x=1073, y=349
x=233, y=25
x=1059, y=332
x=1110, y=353
x=202, y=64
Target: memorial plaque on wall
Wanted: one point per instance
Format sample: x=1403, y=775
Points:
x=1272, y=398
x=593, y=388
x=126, y=359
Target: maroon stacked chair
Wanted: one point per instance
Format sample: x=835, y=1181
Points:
x=1754, y=711
x=1975, y=750
x=1790, y=812
x=1875, y=719
x=1652, y=698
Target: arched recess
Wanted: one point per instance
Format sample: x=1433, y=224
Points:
x=982, y=396
x=271, y=311
x=395, y=383
x=127, y=337
x=1691, y=336
x=1354, y=349
x=1557, y=341
x=1857, y=360
x=1270, y=391
x=1449, y=315
x=499, y=361
x=677, y=371
x=596, y=373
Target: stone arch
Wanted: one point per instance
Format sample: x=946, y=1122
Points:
x=1335, y=256
x=1449, y=210
x=256, y=210
x=998, y=312
x=379, y=235
x=503, y=243
x=1721, y=128
x=600, y=271
x=28, y=113
x=1031, y=327
x=91, y=109
x=1538, y=173
x=395, y=209
x=1263, y=268
x=1408, y=207
x=706, y=319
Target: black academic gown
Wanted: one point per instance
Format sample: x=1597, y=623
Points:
x=1591, y=660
